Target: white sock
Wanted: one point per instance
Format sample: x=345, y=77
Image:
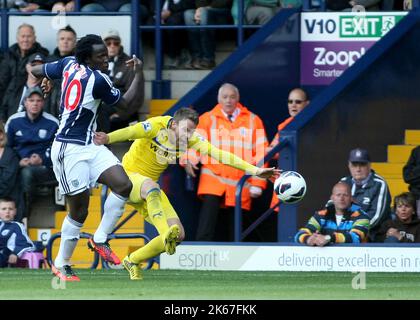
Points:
x=70, y=231
x=113, y=210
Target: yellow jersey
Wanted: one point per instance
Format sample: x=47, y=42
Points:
x=152, y=151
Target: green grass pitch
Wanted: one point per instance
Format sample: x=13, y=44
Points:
x=191, y=285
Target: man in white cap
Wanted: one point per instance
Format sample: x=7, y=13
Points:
x=112, y=118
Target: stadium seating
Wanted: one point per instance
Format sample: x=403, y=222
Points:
x=35, y=260
x=398, y=155
x=159, y=107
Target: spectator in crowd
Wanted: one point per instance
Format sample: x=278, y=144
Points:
x=261, y=11
x=340, y=222
x=112, y=118
x=202, y=42
x=30, y=5
x=10, y=184
x=298, y=99
x=13, y=74
x=63, y=6
x=411, y=174
x=117, y=6
x=345, y=5
x=66, y=43
x=175, y=41
x=12, y=104
x=14, y=240
x=405, y=227
x=241, y=132
x=31, y=133
x=368, y=189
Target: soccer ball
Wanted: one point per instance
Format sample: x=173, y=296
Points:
x=290, y=187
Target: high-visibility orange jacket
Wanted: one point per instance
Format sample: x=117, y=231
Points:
x=273, y=143
x=246, y=138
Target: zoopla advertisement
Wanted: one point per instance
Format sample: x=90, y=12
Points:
x=333, y=41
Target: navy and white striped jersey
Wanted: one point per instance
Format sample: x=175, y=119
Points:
x=13, y=237
x=82, y=90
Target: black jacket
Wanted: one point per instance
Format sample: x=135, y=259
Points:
x=374, y=198
x=410, y=231
x=411, y=172
x=10, y=180
x=13, y=77
x=121, y=78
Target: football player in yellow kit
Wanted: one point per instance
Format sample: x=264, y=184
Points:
x=159, y=141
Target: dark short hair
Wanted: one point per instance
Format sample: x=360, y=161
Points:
x=186, y=114
x=406, y=198
x=68, y=28
x=84, y=47
x=7, y=199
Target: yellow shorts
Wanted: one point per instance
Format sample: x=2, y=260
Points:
x=140, y=204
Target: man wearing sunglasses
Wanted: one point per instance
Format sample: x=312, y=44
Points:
x=112, y=118
x=297, y=101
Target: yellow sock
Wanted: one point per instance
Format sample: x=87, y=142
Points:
x=155, y=211
x=150, y=250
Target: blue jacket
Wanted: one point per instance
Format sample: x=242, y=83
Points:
x=28, y=137
x=14, y=239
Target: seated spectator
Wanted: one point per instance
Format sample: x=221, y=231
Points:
x=13, y=73
x=117, y=6
x=110, y=117
x=411, y=175
x=259, y=12
x=368, y=189
x=29, y=5
x=202, y=42
x=31, y=133
x=63, y=6
x=14, y=240
x=405, y=227
x=345, y=5
x=340, y=222
x=13, y=104
x=175, y=40
x=297, y=101
x=10, y=185
x=66, y=43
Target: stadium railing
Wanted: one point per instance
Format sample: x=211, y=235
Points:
x=238, y=234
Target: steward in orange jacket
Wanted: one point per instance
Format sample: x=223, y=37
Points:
x=297, y=101
x=246, y=138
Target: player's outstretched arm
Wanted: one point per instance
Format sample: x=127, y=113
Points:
x=38, y=71
x=133, y=93
x=268, y=172
x=100, y=138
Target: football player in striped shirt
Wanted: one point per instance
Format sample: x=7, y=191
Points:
x=77, y=162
